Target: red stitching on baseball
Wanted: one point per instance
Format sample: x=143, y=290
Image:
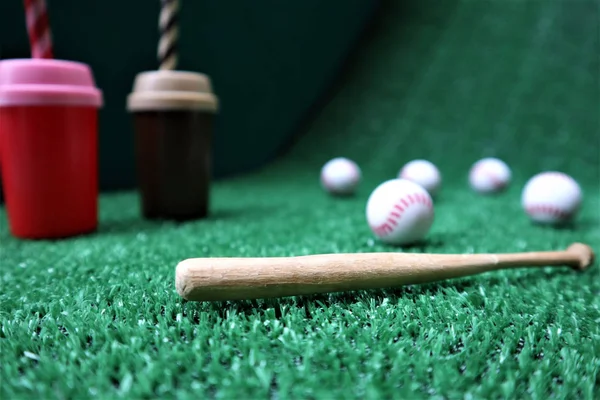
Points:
x=394, y=217
x=496, y=182
x=549, y=210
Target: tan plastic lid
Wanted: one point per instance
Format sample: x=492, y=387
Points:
x=171, y=90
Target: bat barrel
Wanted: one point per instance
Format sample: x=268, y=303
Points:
x=210, y=279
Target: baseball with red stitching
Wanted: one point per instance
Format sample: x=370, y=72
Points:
x=489, y=175
x=340, y=176
x=423, y=172
x=551, y=198
x=400, y=212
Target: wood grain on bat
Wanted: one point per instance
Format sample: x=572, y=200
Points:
x=235, y=278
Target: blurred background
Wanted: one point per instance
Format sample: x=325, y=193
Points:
x=271, y=63
x=483, y=76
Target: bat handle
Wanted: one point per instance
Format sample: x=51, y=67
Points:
x=578, y=256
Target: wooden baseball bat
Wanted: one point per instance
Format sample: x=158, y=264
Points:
x=235, y=278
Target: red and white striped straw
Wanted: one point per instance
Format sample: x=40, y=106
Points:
x=38, y=28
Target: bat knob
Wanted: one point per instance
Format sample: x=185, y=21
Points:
x=584, y=254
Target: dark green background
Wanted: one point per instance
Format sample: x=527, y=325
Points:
x=270, y=62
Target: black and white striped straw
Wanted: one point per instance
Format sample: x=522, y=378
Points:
x=169, y=34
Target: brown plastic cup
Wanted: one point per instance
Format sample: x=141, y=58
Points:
x=173, y=114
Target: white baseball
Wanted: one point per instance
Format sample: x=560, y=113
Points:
x=340, y=176
x=551, y=197
x=424, y=173
x=489, y=175
x=399, y=212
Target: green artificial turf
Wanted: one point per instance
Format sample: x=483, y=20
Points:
x=98, y=316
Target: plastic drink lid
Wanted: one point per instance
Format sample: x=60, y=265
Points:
x=47, y=82
x=172, y=90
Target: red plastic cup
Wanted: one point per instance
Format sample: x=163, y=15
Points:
x=49, y=143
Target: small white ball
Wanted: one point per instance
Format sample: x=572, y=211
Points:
x=489, y=175
x=551, y=198
x=400, y=212
x=340, y=176
x=424, y=173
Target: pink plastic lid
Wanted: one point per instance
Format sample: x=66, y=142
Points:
x=47, y=82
